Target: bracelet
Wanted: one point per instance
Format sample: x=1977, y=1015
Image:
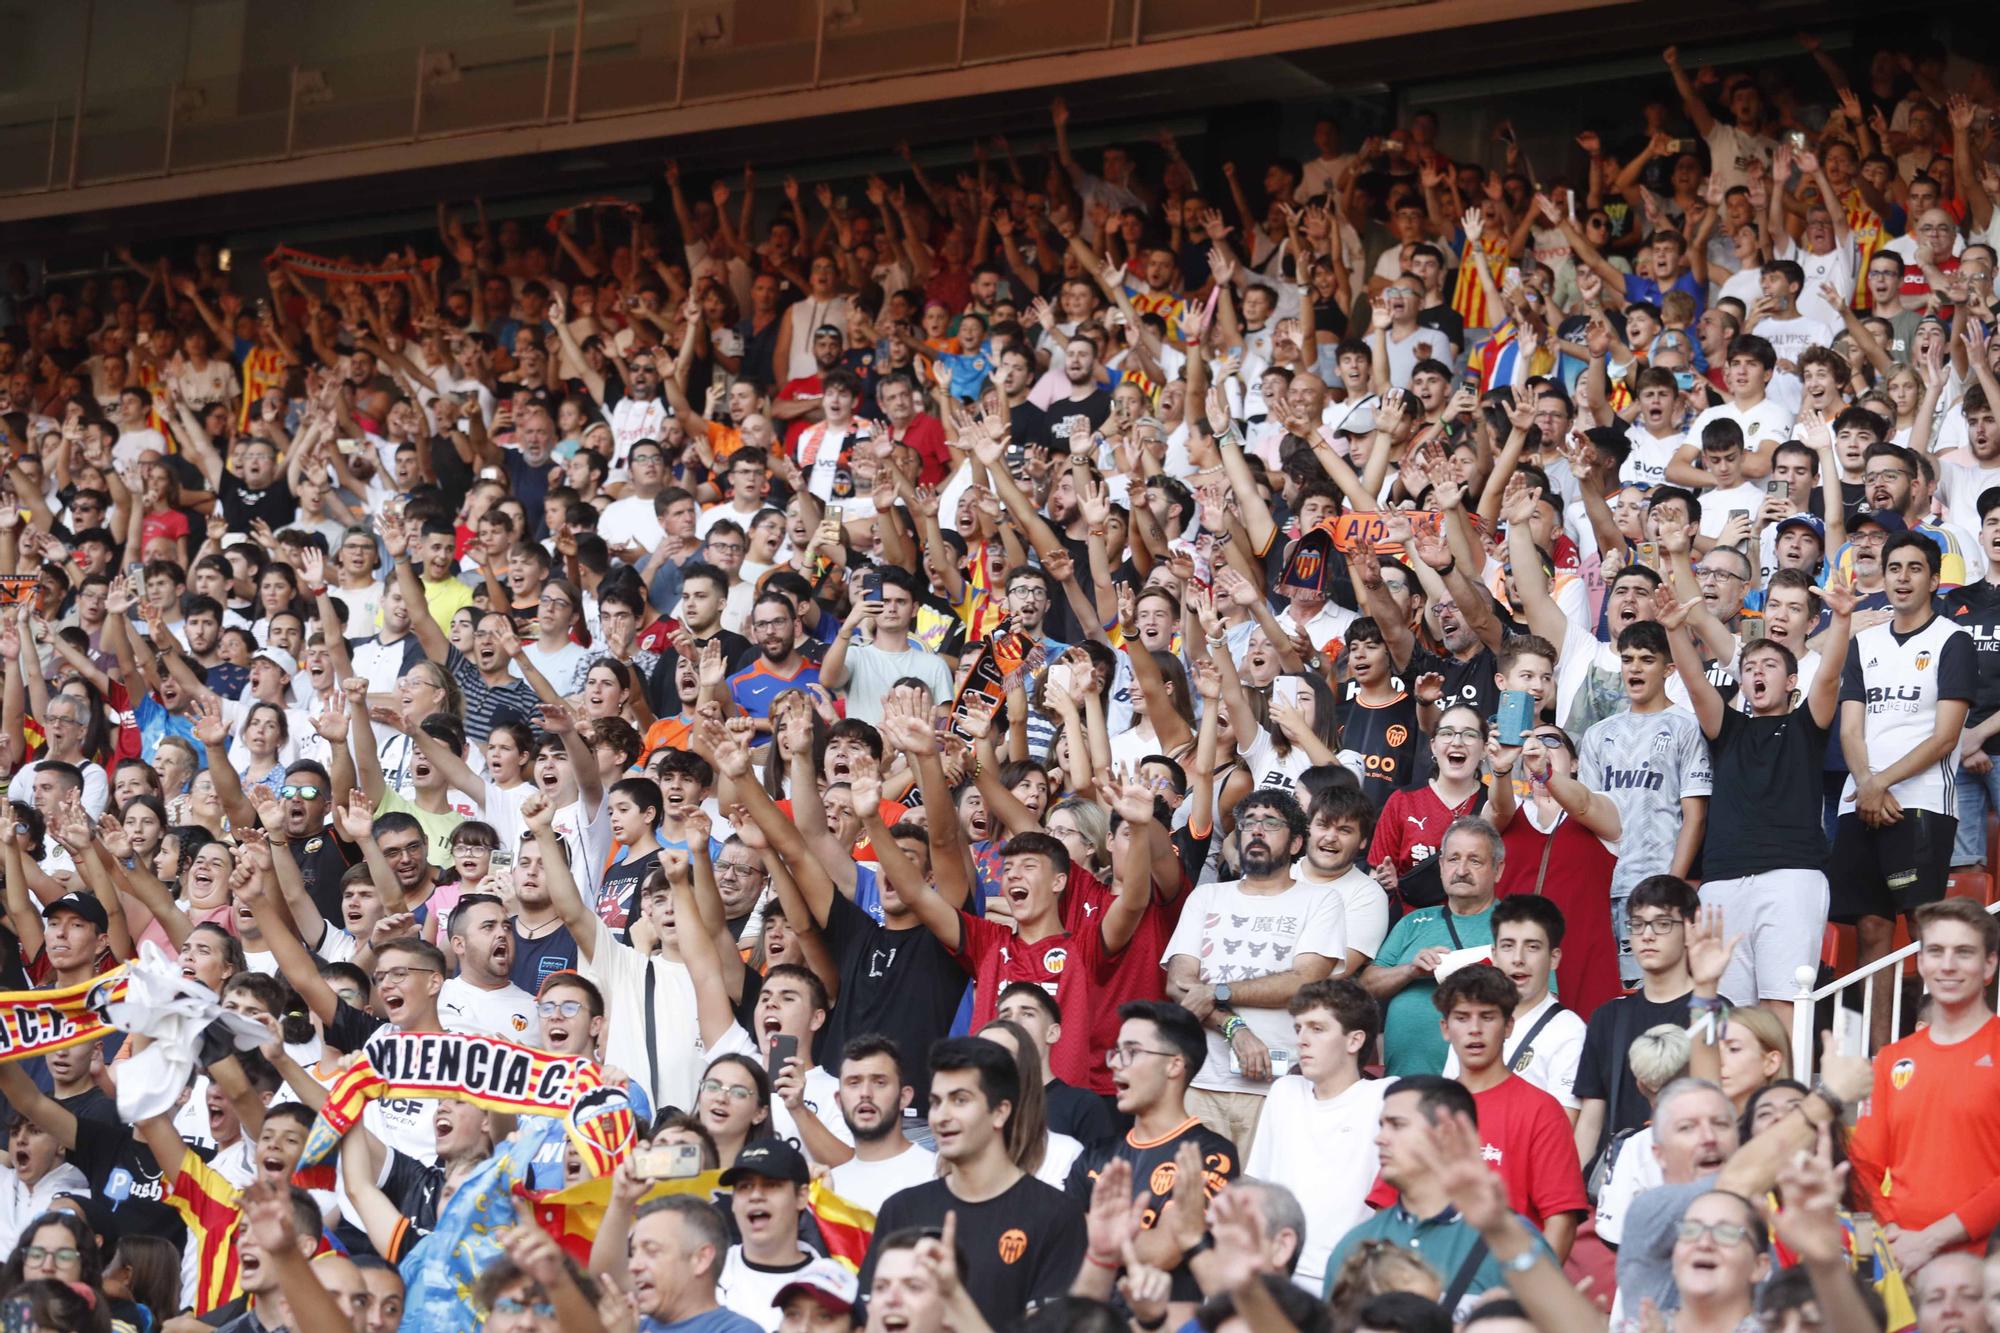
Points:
x=1157, y=1321
x=1833, y=1103
x=1091, y=1255
x=320, y=591
x=1232, y=1027
x=1449, y=568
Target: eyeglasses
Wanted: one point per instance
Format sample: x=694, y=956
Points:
x=308, y=792
x=554, y=600
x=1711, y=572
x=403, y=853
x=1652, y=925
x=1556, y=738
x=1120, y=1056
x=762, y=626
x=35, y=1254
x=735, y=1092
x=396, y=976
x=559, y=1008
x=726, y=548
x=1884, y=474
x=1458, y=734
x=1724, y=1233
x=1398, y=291
x=1274, y=823
x=508, y=1305
x=731, y=870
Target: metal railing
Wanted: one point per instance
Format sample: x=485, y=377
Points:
x=1805, y=1005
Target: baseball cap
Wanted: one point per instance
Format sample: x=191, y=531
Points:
x=278, y=658
x=1811, y=522
x=1886, y=519
x=773, y=1159
x=84, y=905
x=826, y=1282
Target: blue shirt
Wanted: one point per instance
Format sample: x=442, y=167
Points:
x=756, y=686
x=717, y=1320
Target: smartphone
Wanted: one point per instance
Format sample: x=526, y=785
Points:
x=836, y=512
x=1684, y=379
x=668, y=1161
x=1777, y=487
x=1517, y=716
x=347, y=446
x=1743, y=514
x=871, y=586
x=1797, y=139
x=782, y=1048
x=501, y=858
x=1061, y=678
x=1649, y=555
x=1282, y=1060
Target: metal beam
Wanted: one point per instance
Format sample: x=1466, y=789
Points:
x=889, y=90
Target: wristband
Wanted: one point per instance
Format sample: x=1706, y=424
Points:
x=1833, y=1103
x=1232, y=1027
x=320, y=591
x=1096, y=1262
x=1157, y=1321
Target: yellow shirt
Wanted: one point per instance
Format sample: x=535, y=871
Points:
x=445, y=598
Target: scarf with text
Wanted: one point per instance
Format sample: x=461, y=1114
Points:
x=35, y=1022
x=488, y=1072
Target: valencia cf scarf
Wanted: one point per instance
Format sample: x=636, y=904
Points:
x=34, y=1022
x=488, y=1072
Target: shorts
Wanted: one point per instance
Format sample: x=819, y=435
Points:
x=1781, y=916
x=1889, y=871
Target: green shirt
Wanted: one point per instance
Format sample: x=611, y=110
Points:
x=1442, y=1242
x=1412, y=1041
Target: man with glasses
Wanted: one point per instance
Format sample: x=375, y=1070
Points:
x=303, y=802
x=740, y=878
x=1159, y=1050
x=65, y=721
x=1241, y=951
x=749, y=491
x=633, y=520
x=774, y=623
x=1656, y=918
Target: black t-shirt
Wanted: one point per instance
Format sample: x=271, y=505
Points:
x=538, y=959
x=1030, y=426
x=1447, y=322
x=121, y=1170
x=413, y=1188
x=1602, y=1071
x=1153, y=1176
x=1094, y=409
x=663, y=695
x=323, y=860
x=1385, y=736
x=1761, y=816
x=621, y=886
x=1976, y=606
x=351, y=1027
x=903, y=984
x=1023, y=1244
x=1469, y=682
x=1077, y=1112
x=242, y=506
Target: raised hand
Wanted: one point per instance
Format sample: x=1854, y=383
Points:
x=1709, y=946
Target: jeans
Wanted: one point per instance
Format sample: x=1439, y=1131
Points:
x=1978, y=794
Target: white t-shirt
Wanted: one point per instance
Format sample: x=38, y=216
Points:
x=1716, y=505
x=819, y=1095
x=748, y=1289
x=1959, y=487
x=1767, y=420
x=1789, y=338
x=868, y=1184
x=1237, y=936
x=620, y=972
x=1647, y=463
x=507, y=1013
x=630, y=520
x=1367, y=906
x=1635, y=1172
x=631, y=422
x=1836, y=267
x=1551, y=1062
x=1337, y=1136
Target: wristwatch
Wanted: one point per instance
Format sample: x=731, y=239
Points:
x=1222, y=996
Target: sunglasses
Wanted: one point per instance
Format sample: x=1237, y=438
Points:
x=307, y=792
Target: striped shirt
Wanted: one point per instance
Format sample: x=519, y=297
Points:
x=486, y=706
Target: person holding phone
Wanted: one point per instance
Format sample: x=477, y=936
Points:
x=866, y=670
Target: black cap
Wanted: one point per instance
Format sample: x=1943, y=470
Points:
x=84, y=905
x=773, y=1159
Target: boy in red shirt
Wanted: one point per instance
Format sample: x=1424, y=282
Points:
x=1524, y=1134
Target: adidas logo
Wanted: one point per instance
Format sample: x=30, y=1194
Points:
x=1983, y=1062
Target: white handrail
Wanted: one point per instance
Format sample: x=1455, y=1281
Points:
x=1804, y=1004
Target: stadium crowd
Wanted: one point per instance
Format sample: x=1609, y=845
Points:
x=992, y=751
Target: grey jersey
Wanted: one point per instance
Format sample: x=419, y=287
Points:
x=1646, y=763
